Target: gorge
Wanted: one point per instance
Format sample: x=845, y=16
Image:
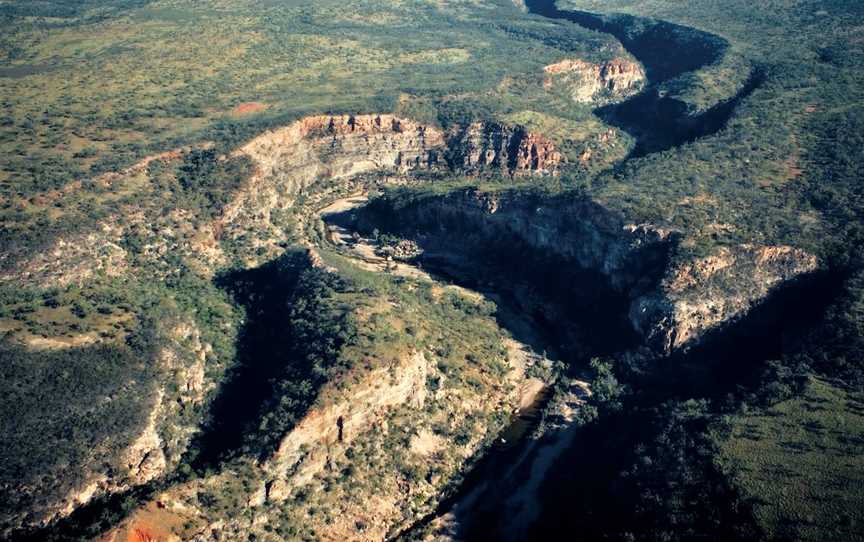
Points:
x=545, y=277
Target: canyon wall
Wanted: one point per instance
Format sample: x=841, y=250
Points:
x=137, y=455
x=672, y=303
x=506, y=150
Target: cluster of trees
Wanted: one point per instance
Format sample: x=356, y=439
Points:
x=202, y=181
x=641, y=470
x=289, y=346
x=204, y=177
x=61, y=9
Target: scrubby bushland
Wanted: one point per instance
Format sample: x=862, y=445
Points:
x=318, y=328
x=68, y=411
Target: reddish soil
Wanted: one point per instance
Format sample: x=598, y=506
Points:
x=248, y=108
x=142, y=535
x=151, y=523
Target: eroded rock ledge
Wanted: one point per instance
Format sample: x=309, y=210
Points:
x=327, y=147
x=698, y=296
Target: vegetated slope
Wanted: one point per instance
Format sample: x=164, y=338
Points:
x=95, y=241
x=815, y=438
x=403, y=381
x=244, y=210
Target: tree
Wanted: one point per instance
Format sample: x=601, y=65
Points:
x=605, y=387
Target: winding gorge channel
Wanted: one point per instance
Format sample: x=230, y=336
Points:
x=517, y=457
x=501, y=497
x=657, y=120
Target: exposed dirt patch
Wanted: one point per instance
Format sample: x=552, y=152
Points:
x=152, y=523
x=793, y=167
x=59, y=343
x=248, y=108
x=426, y=443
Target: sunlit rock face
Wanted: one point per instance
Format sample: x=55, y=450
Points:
x=596, y=83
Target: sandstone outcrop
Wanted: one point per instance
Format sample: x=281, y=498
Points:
x=321, y=148
x=305, y=450
x=287, y=162
x=290, y=159
x=483, y=146
x=587, y=82
x=700, y=295
x=352, y=428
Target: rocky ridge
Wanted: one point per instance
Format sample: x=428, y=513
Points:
x=703, y=294
x=305, y=451
x=288, y=161
x=354, y=429
x=676, y=309
x=485, y=146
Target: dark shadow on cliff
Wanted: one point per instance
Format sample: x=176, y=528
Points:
x=575, y=312
x=93, y=519
x=734, y=355
x=586, y=492
x=264, y=346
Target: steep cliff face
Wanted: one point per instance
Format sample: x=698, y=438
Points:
x=671, y=304
x=323, y=148
x=371, y=457
x=493, y=147
x=587, y=82
x=306, y=450
x=289, y=163
x=315, y=149
x=572, y=228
